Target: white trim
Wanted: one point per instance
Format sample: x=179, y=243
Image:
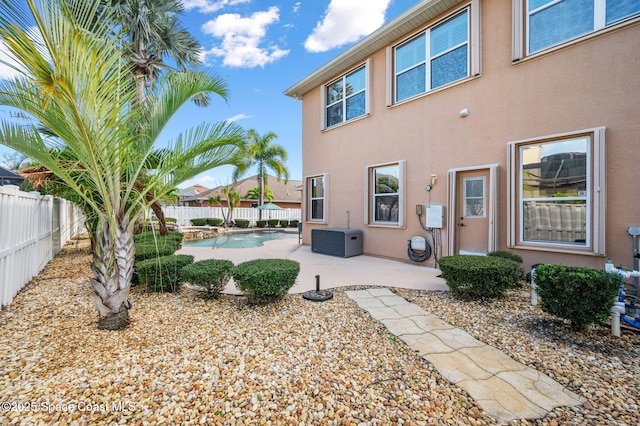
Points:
x=323, y=107
x=517, y=19
x=368, y=75
x=390, y=78
x=599, y=191
x=475, y=33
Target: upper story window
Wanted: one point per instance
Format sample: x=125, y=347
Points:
x=346, y=97
x=436, y=57
x=552, y=22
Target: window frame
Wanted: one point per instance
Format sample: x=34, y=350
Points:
x=308, y=197
x=521, y=28
x=366, y=90
x=484, y=197
x=370, y=198
x=472, y=9
x=595, y=195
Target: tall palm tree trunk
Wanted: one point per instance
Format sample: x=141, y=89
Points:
x=113, y=279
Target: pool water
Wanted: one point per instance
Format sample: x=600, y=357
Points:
x=241, y=240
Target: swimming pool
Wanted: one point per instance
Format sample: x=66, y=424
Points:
x=241, y=239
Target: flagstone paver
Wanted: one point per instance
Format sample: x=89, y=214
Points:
x=506, y=389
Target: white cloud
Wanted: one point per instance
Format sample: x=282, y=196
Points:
x=209, y=6
x=242, y=38
x=238, y=117
x=346, y=21
x=296, y=7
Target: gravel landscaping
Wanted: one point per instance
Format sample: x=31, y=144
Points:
x=185, y=360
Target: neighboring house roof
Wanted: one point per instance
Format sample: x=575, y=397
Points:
x=197, y=188
x=282, y=192
x=416, y=16
x=7, y=177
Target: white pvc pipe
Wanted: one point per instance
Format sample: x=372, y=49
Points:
x=617, y=310
x=534, y=295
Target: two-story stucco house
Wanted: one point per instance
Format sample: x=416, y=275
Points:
x=517, y=121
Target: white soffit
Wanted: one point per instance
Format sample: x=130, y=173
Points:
x=418, y=15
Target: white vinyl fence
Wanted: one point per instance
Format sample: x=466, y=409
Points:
x=33, y=229
x=185, y=214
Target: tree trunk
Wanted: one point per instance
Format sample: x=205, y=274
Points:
x=113, y=269
x=162, y=223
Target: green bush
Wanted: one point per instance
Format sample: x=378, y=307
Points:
x=171, y=219
x=163, y=273
x=293, y=223
x=150, y=250
x=580, y=295
x=283, y=223
x=261, y=223
x=478, y=276
x=273, y=222
x=264, y=280
x=154, y=236
x=212, y=275
x=506, y=255
x=214, y=221
x=242, y=223
x=199, y=221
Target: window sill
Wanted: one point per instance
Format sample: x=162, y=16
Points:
x=379, y=225
x=587, y=251
x=576, y=41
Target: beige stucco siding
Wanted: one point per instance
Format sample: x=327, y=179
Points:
x=585, y=85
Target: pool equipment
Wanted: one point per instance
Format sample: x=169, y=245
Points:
x=317, y=295
x=627, y=308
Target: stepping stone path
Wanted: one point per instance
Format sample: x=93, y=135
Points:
x=506, y=389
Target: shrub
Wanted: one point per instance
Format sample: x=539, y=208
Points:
x=214, y=221
x=150, y=250
x=293, y=223
x=273, y=222
x=283, y=223
x=154, y=237
x=478, y=276
x=171, y=219
x=580, y=295
x=163, y=273
x=506, y=255
x=212, y=275
x=261, y=223
x=199, y=221
x=242, y=223
x=264, y=280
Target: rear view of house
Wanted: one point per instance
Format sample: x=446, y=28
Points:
x=506, y=124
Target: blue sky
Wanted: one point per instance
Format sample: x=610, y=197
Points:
x=260, y=48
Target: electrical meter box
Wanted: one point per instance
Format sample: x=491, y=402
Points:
x=435, y=216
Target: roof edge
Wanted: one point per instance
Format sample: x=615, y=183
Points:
x=425, y=9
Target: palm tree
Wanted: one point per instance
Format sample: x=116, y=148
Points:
x=153, y=34
x=254, y=193
x=100, y=147
x=233, y=200
x=262, y=153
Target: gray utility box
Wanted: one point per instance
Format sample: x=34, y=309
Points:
x=336, y=241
